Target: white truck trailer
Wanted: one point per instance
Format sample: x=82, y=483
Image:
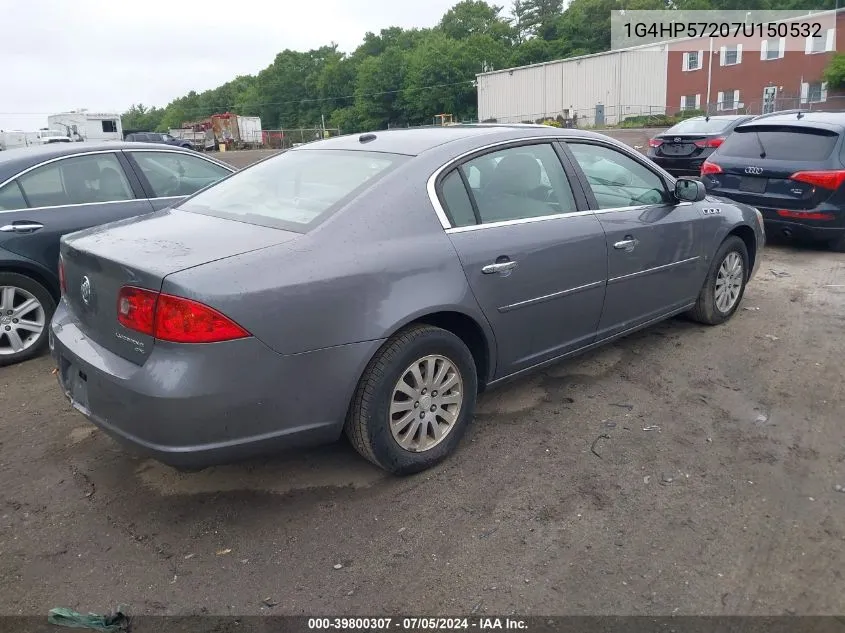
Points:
x=82, y=125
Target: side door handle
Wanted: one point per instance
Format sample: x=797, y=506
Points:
x=499, y=267
x=627, y=245
x=21, y=227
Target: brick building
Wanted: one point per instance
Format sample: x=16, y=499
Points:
x=754, y=74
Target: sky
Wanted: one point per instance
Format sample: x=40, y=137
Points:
x=104, y=55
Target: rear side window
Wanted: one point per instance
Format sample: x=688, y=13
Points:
x=11, y=197
x=456, y=200
x=295, y=190
x=780, y=143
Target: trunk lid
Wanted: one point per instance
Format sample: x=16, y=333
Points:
x=675, y=146
x=757, y=163
x=141, y=252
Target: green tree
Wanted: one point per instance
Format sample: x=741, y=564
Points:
x=834, y=73
x=475, y=17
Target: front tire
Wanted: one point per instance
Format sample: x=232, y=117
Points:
x=724, y=286
x=26, y=308
x=414, y=401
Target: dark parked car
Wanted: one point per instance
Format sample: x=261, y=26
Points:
x=683, y=148
x=157, y=137
x=376, y=283
x=51, y=190
x=792, y=168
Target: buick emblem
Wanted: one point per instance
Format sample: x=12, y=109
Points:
x=754, y=170
x=85, y=290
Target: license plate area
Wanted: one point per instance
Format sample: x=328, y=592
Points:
x=75, y=382
x=678, y=149
x=753, y=185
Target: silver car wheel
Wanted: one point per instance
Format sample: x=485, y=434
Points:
x=729, y=282
x=426, y=403
x=22, y=320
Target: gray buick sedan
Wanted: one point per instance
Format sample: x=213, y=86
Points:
x=374, y=284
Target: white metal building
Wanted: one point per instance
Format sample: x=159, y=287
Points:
x=600, y=89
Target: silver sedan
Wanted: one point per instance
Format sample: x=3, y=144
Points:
x=374, y=284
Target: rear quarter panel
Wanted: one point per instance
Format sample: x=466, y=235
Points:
x=374, y=266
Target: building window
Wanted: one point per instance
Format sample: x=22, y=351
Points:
x=772, y=49
x=109, y=126
x=820, y=44
x=815, y=92
x=730, y=55
x=728, y=100
x=691, y=102
x=693, y=60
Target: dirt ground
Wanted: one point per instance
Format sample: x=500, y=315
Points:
x=681, y=470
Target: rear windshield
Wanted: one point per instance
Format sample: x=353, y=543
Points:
x=293, y=191
x=700, y=126
x=780, y=143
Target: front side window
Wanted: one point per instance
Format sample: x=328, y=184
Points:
x=11, y=197
x=173, y=174
x=78, y=180
x=519, y=182
x=617, y=180
x=294, y=190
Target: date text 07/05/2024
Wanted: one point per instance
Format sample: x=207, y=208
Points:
x=419, y=624
x=722, y=29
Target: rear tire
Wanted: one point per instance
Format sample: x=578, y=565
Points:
x=16, y=292
x=724, y=286
x=401, y=380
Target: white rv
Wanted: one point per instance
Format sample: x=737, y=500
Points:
x=82, y=125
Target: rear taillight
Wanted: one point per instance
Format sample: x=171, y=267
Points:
x=136, y=309
x=62, y=279
x=654, y=142
x=710, y=142
x=825, y=179
x=806, y=215
x=708, y=168
x=174, y=319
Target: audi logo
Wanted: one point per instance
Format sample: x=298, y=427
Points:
x=754, y=170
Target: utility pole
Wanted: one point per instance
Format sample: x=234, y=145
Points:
x=709, y=74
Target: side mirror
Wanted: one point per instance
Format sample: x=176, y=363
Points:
x=689, y=190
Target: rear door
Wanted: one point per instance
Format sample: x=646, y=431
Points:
x=62, y=196
x=534, y=257
x=756, y=163
x=654, y=243
x=168, y=176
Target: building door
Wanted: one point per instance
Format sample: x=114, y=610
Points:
x=770, y=93
x=599, y=114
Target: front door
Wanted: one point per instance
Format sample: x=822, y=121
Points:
x=653, y=242
x=770, y=94
x=64, y=196
x=536, y=263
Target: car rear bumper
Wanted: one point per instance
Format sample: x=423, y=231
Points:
x=680, y=166
x=193, y=408
x=814, y=230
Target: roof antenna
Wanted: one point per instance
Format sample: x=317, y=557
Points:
x=800, y=114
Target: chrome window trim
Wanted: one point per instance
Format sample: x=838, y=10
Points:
x=231, y=169
x=431, y=188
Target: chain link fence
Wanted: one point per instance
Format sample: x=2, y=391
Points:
x=293, y=137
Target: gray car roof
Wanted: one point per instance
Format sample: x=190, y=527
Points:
x=834, y=121
x=414, y=141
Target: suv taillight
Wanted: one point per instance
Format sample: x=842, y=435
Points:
x=708, y=168
x=710, y=142
x=174, y=319
x=62, y=279
x=831, y=179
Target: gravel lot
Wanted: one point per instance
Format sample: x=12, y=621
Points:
x=682, y=470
